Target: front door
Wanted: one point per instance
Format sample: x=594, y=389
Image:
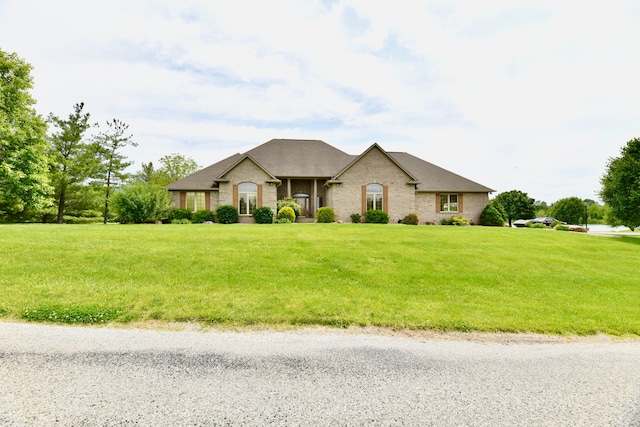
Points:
x=303, y=200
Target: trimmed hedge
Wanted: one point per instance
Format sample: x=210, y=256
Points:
x=202, y=216
x=180, y=213
x=325, y=215
x=263, y=215
x=375, y=216
x=288, y=213
x=227, y=214
x=490, y=216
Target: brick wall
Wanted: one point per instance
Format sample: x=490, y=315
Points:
x=374, y=167
x=472, y=206
x=246, y=171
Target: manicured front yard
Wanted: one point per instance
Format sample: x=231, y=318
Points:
x=425, y=277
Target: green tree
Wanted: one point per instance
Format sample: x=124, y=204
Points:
x=569, y=209
x=516, y=205
x=621, y=186
x=23, y=144
x=146, y=175
x=114, y=162
x=173, y=167
x=139, y=203
x=72, y=159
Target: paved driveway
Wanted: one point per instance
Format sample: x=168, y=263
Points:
x=66, y=376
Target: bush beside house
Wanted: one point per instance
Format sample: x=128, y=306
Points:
x=287, y=212
x=325, y=215
x=375, y=216
x=227, y=214
x=263, y=215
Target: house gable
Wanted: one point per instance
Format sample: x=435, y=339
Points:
x=374, y=166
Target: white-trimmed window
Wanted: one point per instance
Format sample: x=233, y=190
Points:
x=374, y=196
x=448, y=203
x=247, y=198
x=195, y=201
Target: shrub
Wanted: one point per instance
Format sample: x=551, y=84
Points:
x=554, y=223
x=561, y=227
x=411, y=219
x=69, y=219
x=459, y=220
x=180, y=214
x=141, y=203
x=227, y=214
x=288, y=213
x=202, y=216
x=325, y=214
x=263, y=215
x=375, y=216
x=290, y=202
x=283, y=221
x=181, y=221
x=536, y=225
x=490, y=216
x=454, y=220
x=356, y=218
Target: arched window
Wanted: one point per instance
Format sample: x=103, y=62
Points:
x=374, y=196
x=247, y=198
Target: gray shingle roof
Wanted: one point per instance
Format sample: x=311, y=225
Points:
x=300, y=158
x=435, y=178
x=303, y=158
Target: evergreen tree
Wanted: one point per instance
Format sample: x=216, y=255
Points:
x=113, y=162
x=72, y=159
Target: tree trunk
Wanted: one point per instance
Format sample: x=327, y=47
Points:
x=106, y=200
x=61, y=201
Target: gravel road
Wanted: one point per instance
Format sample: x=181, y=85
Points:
x=72, y=376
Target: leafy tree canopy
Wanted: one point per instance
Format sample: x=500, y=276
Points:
x=621, y=186
x=23, y=163
x=516, y=205
x=570, y=210
x=173, y=167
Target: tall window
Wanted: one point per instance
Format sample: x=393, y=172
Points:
x=448, y=203
x=195, y=201
x=374, y=196
x=247, y=198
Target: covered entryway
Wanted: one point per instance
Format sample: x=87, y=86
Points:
x=303, y=200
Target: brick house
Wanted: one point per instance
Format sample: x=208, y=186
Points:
x=317, y=174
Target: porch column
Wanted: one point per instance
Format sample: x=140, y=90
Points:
x=315, y=196
x=289, y=187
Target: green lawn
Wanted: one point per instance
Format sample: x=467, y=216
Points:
x=425, y=277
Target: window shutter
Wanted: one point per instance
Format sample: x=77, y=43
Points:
x=460, y=203
x=385, y=199
x=183, y=199
x=437, y=203
x=364, y=200
x=207, y=200
x=235, y=195
x=259, y=195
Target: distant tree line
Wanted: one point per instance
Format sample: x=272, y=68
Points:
x=53, y=169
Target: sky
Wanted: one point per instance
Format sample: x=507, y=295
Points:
x=534, y=96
